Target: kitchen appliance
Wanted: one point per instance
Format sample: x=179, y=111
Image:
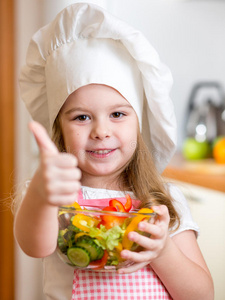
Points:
x=206, y=112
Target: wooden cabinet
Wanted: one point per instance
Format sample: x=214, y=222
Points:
x=206, y=172
x=208, y=210
x=203, y=184
x=7, y=167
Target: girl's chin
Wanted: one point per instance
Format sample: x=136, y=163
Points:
x=101, y=173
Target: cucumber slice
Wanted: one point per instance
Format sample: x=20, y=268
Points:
x=78, y=256
x=100, y=253
x=62, y=244
x=69, y=236
x=74, y=228
x=89, y=244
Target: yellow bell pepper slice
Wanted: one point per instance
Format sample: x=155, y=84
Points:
x=84, y=222
x=119, y=247
x=74, y=205
x=79, y=234
x=126, y=243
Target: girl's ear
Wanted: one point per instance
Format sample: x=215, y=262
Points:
x=42, y=138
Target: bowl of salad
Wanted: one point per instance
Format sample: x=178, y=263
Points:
x=92, y=237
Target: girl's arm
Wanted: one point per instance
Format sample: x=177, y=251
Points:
x=177, y=261
x=55, y=183
x=187, y=276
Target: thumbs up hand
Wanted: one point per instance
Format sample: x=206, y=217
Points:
x=58, y=177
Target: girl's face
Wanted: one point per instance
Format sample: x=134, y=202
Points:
x=100, y=128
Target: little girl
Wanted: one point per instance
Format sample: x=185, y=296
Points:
x=98, y=88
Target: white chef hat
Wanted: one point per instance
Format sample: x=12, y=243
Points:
x=85, y=44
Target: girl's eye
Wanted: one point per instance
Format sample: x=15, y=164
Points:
x=117, y=115
x=82, y=118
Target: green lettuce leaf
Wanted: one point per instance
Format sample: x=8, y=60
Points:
x=107, y=238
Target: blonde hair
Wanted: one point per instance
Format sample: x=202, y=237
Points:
x=145, y=182
x=139, y=176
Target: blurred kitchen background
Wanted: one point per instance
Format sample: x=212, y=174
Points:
x=189, y=36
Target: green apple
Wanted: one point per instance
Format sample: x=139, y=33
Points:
x=193, y=150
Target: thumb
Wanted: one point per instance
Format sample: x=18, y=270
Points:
x=42, y=138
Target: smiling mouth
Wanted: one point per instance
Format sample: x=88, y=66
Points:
x=101, y=153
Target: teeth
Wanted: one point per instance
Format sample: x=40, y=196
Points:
x=102, y=151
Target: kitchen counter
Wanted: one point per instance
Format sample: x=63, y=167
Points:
x=206, y=173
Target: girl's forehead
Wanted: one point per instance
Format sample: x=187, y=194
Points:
x=95, y=94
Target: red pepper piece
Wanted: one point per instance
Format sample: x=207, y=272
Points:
x=110, y=208
x=100, y=263
x=109, y=220
x=128, y=204
x=117, y=204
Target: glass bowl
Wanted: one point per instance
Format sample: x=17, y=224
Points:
x=92, y=238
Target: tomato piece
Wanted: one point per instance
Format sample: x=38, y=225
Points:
x=100, y=263
x=128, y=204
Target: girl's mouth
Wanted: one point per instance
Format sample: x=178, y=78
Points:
x=103, y=153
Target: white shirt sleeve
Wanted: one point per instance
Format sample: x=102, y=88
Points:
x=183, y=209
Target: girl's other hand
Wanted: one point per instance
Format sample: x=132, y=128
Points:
x=57, y=178
x=154, y=246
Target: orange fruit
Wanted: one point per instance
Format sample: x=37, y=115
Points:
x=219, y=151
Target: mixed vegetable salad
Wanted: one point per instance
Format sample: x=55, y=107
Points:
x=94, y=239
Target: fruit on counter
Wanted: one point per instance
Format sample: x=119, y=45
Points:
x=217, y=139
x=219, y=150
x=194, y=150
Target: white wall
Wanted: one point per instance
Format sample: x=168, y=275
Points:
x=51, y=7
x=188, y=35
x=190, y=38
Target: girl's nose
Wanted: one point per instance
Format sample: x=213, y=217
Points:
x=100, y=131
